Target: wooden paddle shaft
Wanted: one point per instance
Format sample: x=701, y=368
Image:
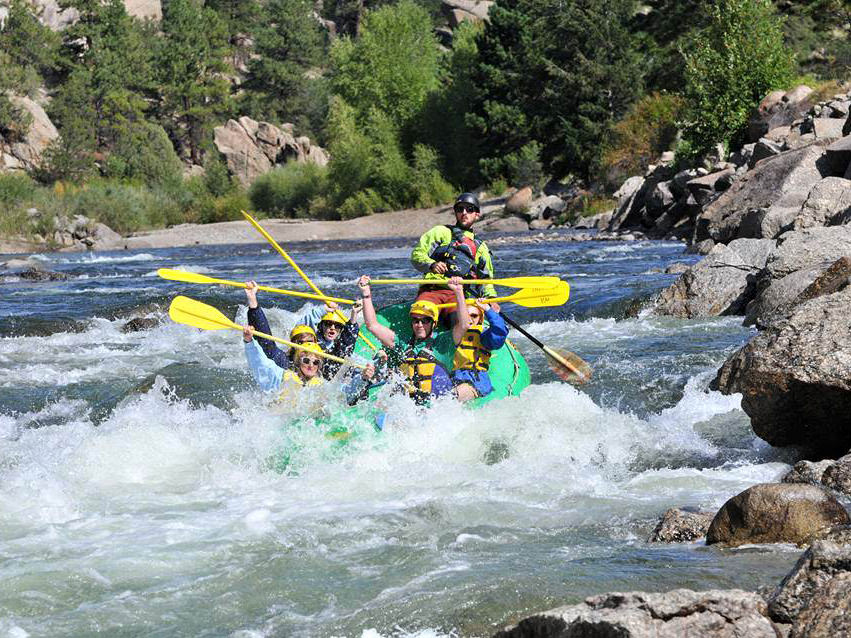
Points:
x=537, y=342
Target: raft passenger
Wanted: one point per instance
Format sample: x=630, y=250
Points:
x=334, y=333
x=257, y=320
x=415, y=357
x=305, y=371
x=454, y=251
x=472, y=356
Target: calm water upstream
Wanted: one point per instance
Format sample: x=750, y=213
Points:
x=136, y=497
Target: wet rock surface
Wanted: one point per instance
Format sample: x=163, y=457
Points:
x=677, y=613
x=680, y=526
x=776, y=513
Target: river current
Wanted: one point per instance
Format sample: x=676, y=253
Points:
x=137, y=497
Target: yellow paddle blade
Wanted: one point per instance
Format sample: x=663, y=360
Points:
x=510, y=282
x=568, y=366
x=199, y=315
x=529, y=297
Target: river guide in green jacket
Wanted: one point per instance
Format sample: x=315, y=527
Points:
x=454, y=251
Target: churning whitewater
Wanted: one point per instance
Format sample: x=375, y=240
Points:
x=140, y=492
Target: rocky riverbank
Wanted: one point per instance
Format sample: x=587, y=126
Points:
x=773, y=224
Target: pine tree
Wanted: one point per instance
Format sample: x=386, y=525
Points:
x=279, y=88
x=194, y=92
x=555, y=73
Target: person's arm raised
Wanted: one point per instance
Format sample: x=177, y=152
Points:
x=384, y=334
x=463, y=316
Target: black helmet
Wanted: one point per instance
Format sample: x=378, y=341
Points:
x=467, y=198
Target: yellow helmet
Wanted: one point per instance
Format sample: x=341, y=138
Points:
x=301, y=329
x=426, y=309
x=333, y=317
x=312, y=347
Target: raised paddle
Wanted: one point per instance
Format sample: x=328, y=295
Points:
x=195, y=278
x=567, y=365
x=510, y=282
x=200, y=315
x=292, y=263
x=527, y=297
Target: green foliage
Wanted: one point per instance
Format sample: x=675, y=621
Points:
x=442, y=122
x=287, y=191
x=194, y=94
x=429, y=186
x=555, y=72
x=289, y=44
x=648, y=129
x=217, y=180
x=143, y=151
x=730, y=66
x=392, y=66
x=15, y=189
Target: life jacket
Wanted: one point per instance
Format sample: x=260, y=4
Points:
x=423, y=369
x=461, y=256
x=291, y=382
x=470, y=353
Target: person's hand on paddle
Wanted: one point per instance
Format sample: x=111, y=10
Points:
x=332, y=306
x=247, y=333
x=363, y=284
x=356, y=308
x=494, y=306
x=251, y=293
x=368, y=372
x=438, y=267
x=454, y=284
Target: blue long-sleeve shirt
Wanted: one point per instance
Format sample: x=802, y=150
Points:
x=257, y=320
x=496, y=333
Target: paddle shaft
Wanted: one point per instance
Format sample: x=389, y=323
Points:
x=226, y=323
x=292, y=263
x=549, y=351
x=239, y=284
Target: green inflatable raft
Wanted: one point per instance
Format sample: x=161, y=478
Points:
x=508, y=371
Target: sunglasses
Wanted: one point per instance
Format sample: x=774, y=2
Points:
x=466, y=208
x=310, y=362
x=423, y=320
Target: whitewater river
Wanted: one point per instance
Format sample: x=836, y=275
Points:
x=137, y=497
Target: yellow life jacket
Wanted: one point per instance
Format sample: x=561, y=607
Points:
x=470, y=353
x=419, y=368
x=292, y=383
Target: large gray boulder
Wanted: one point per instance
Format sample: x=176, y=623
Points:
x=674, y=614
x=829, y=612
x=681, y=526
x=766, y=200
x=837, y=476
x=776, y=513
x=779, y=109
x=26, y=153
x=818, y=565
x=799, y=261
x=828, y=202
x=719, y=284
x=252, y=148
x=795, y=377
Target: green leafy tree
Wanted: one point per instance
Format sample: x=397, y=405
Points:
x=555, y=72
x=280, y=86
x=194, y=92
x=730, y=66
x=109, y=82
x=392, y=66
